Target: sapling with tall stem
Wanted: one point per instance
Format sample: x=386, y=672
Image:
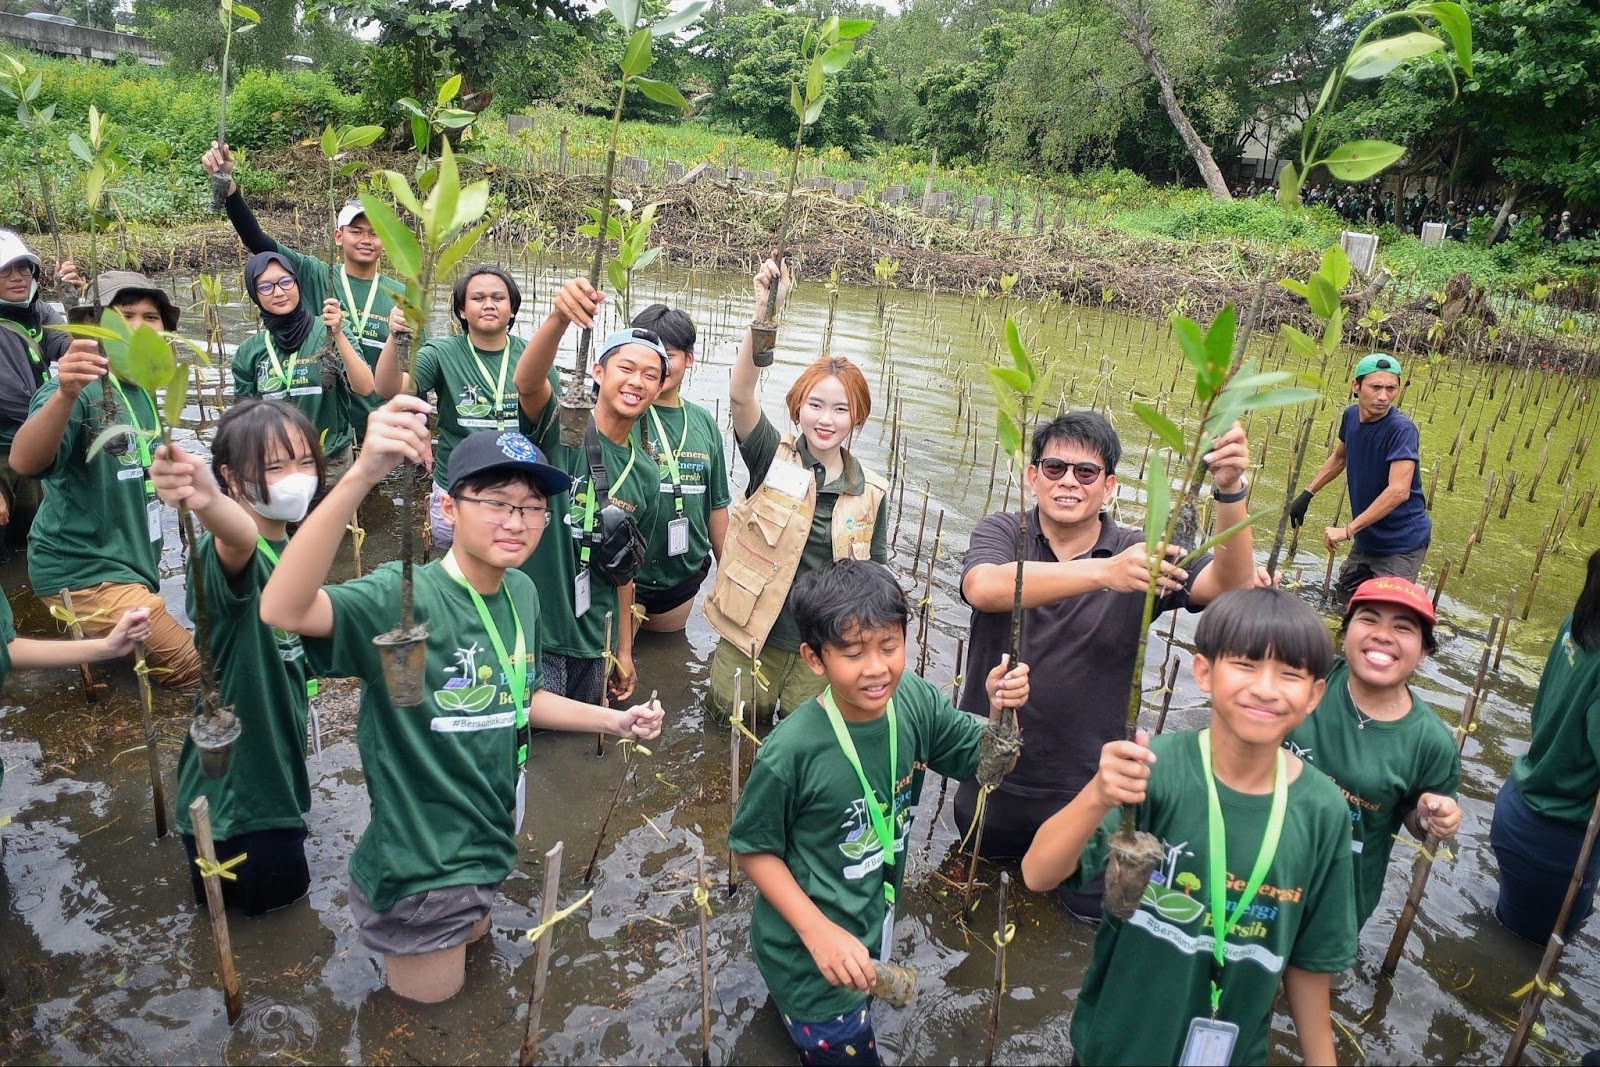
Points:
x=335, y=142
x=576, y=401
x=16, y=85
x=451, y=222
x=824, y=50
x=227, y=11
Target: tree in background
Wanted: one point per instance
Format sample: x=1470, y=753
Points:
x=188, y=33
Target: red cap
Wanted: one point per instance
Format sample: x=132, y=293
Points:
x=1397, y=591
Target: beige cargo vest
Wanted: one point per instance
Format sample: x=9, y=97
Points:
x=767, y=533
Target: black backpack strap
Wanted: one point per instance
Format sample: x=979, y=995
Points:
x=597, y=465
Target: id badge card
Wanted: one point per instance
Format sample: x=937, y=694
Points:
x=678, y=536
x=152, y=519
x=580, y=593
x=522, y=799
x=886, y=938
x=1209, y=1044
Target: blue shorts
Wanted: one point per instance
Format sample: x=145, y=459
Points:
x=1537, y=856
x=844, y=1039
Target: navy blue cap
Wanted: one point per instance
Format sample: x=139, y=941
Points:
x=508, y=450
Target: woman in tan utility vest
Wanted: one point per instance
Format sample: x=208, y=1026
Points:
x=809, y=502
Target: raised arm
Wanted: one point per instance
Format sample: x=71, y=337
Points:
x=244, y=221
x=39, y=438
x=743, y=403
x=184, y=479
x=1234, y=564
x=576, y=303
x=1058, y=846
x=294, y=599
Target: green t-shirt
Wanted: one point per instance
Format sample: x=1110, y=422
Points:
x=1150, y=977
x=317, y=283
x=261, y=369
x=688, y=434
x=95, y=524
x=1382, y=768
x=1560, y=773
x=441, y=777
x=758, y=450
x=803, y=804
x=473, y=389
x=262, y=673
x=556, y=561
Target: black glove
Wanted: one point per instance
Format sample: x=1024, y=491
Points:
x=1297, y=508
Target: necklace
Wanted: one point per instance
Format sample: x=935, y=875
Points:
x=1362, y=718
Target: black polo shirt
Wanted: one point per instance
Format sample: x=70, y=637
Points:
x=1079, y=651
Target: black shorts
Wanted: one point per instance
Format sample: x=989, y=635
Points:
x=273, y=876
x=664, y=600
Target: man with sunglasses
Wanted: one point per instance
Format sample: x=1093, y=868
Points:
x=1083, y=584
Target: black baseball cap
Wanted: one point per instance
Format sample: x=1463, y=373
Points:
x=508, y=450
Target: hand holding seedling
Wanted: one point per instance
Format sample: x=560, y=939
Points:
x=396, y=433
x=1124, y=771
x=133, y=628
x=397, y=320
x=763, y=285
x=1438, y=814
x=182, y=479
x=1008, y=686
x=578, y=302
x=839, y=955
x=332, y=314
x=81, y=364
x=67, y=276
x=1129, y=571
x=642, y=721
x=1228, y=459
x=218, y=160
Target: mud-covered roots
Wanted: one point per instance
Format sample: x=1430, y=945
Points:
x=998, y=750
x=1133, y=857
x=893, y=984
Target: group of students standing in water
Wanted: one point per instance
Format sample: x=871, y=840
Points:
x=542, y=541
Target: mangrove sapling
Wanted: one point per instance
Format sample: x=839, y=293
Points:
x=576, y=400
x=451, y=221
x=630, y=234
x=16, y=85
x=824, y=50
x=141, y=357
x=435, y=123
x=227, y=10
x=1226, y=388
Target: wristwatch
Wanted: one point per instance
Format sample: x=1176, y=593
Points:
x=1234, y=497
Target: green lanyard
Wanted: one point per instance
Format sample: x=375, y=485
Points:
x=499, y=386
x=272, y=557
x=516, y=680
x=1217, y=845
x=143, y=438
x=277, y=367
x=350, y=302
x=588, y=505
x=671, y=455
x=880, y=824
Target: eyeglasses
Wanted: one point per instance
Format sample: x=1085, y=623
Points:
x=285, y=283
x=19, y=267
x=1084, y=473
x=501, y=511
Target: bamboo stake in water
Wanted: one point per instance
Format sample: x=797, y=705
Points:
x=1168, y=685
x=90, y=694
x=627, y=769
x=1555, y=946
x=1511, y=607
x=733, y=772
x=1002, y=938
x=158, y=794
x=541, y=964
x=1294, y=480
x=922, y=526
x=1430, y=846
x=1438, y=585
x=605, y=686
x=703, y=885
x=205, y=847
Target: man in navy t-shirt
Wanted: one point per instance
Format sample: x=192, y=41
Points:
x=1379, y=452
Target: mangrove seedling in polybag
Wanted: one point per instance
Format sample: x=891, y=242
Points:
x=450, y=220
x=576, y=400
x=824, y=50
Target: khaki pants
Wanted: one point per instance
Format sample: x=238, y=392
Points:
x=170, y=651
x=788, y=682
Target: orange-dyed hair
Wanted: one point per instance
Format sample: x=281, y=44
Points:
x=856, y=391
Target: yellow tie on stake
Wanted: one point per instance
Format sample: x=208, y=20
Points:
x=538, y=931
x=1000, y=942
x=67, y=619
x=220, y=870
x=1549, y=989
x=702, y=899
x=1444, y=854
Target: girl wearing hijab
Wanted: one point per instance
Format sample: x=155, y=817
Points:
x=283, y=360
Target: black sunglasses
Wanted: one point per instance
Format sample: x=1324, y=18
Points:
x=1084, y=473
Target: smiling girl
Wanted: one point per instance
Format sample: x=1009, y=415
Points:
x=265, y=468
x=809, y=502
x=282, y=361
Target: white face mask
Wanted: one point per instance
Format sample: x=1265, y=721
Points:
x=288, y=499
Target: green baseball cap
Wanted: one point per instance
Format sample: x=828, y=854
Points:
x=1377, y=361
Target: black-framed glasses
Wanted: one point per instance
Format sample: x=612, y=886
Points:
x=1083, y=473
x=287, y=282
x=500, y=511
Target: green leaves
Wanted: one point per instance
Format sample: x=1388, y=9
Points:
x=399, y=243
x=1164, y=428
x=1452, y=19
x=1209, y=353
x=1377, y=58
x=1157, y=505
x=637, y=59
x=662, y=92
x=338, y=140
x=677, y=20
x=1356, y=161
x=824, y=50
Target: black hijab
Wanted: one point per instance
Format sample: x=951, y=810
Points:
x=288, y=331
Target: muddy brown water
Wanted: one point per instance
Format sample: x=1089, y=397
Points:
x=106, y=957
